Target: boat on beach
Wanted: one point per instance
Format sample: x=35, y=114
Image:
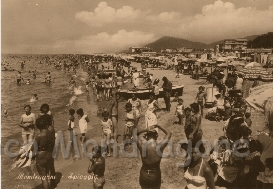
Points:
x=144, y=93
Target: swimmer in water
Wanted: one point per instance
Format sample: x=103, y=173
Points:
x=34, y=97
x=28, y=82
x=34, y=75
x=19, y=78
x=5, y=112
x=48, y=78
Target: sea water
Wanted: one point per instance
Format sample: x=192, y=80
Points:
x=56, y=94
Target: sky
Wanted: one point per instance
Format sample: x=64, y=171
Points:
x=95, y=26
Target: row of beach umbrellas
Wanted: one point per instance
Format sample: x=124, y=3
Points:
x=255, y=71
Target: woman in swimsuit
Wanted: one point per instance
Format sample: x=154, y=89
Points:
x=114, y=114
x=199, y=174
x=136, y=104
x=45, y=110
x=107, y=128
x=45, y=142
x=150, y=173
x=27, y=123
x=150, y=115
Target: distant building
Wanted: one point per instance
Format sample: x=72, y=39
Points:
x=231, y=45
x=256, y=50
x=188, y=50
x=138, y=50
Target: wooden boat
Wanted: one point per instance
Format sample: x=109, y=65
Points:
x=144, y=93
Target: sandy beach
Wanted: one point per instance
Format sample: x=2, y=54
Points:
x=123, y=172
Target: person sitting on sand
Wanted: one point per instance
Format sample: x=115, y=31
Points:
x=199, y=174
x=83, y=120
x=97, y=168
x=150, y=173
x=107, y=128
x=218, y=103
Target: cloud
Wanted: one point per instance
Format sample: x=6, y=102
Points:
x=215, y=21
x=105, y=14
x=107, y=43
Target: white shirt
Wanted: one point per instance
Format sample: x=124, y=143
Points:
x=239, y=83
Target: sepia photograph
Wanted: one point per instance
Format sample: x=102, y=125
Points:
x=137, y=94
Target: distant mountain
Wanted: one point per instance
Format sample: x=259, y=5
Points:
x=262, y=41
x=174, y=43
x=167, y=42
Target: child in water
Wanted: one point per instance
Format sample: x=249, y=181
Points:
x=34, y=98
x=28, y=82
x=71, y=124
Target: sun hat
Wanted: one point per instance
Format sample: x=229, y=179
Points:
x=267, y=146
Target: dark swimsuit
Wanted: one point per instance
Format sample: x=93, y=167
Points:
x=45, y=164
x=150, y=175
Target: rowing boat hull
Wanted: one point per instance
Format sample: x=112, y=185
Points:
x=144, y=94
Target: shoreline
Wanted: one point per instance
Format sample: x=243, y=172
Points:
x=118, y=167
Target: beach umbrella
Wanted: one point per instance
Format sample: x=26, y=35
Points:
x=251, y=72
x=266, y=76
x=237, y=63
x=253, y=64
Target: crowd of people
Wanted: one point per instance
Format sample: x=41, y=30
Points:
x=199, y=173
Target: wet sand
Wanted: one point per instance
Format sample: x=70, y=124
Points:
x=123, y=172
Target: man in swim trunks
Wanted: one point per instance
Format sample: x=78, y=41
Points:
x=97, y=168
